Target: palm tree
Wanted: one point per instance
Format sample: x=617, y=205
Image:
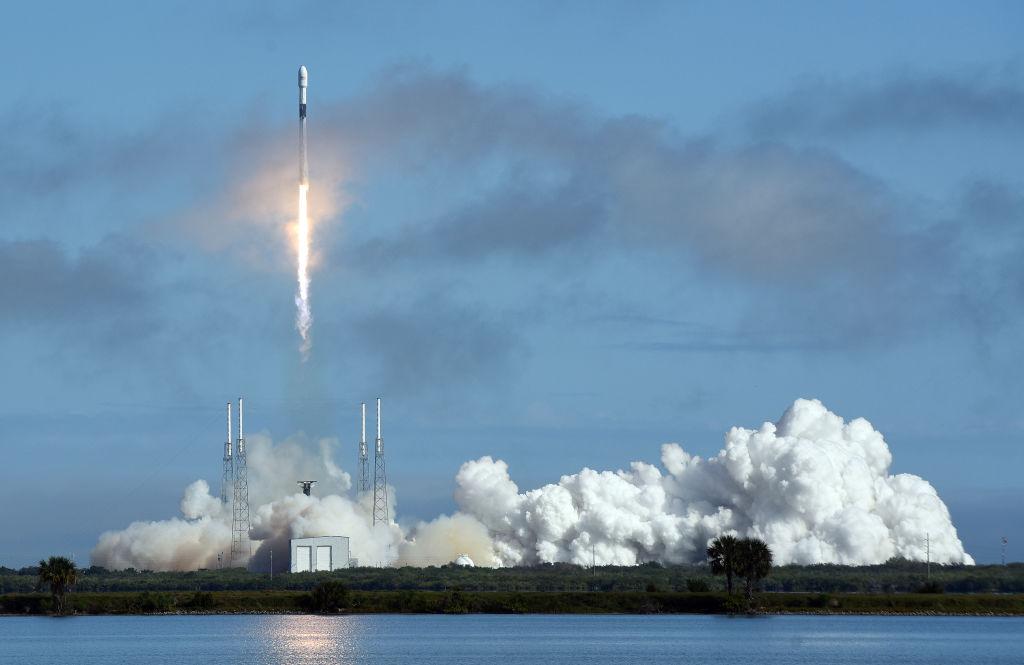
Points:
x=60, y=573
x=753, y=563
x=722, y=557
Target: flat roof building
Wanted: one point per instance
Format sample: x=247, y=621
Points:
x=319, y=554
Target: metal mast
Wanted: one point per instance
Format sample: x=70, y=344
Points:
x=228, y=478
x=928, y=549
x=364, y=458
x=380, y=480
x=241, y=546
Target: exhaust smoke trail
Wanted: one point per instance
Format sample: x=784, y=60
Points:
x=303, y=318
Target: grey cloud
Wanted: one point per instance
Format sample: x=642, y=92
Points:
x=768, y=212
x=824, y=246
x=418, y=119
x=765, y=210
x=59, y=153
x=566, y=176
x=729, y=343
x=823, y=243
x=432, y=340
x=643, y=333
x=993, y=204
x=41, y=283
x=990, y=228
x=519, y=221
x=908, y=102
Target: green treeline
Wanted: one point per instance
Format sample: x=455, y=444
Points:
x=892, y=577
x=500, y=602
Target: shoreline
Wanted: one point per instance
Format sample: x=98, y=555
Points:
x=358, y=602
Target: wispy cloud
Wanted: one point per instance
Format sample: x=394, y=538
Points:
x=102, y=285
x=985, y=98
x=525, y=184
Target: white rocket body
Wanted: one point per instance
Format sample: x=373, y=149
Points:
x=303, y=165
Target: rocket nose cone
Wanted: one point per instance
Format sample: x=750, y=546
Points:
x=303, y=76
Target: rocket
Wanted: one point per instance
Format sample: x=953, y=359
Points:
x=303, y=165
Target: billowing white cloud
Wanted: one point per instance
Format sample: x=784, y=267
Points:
x=816, y=488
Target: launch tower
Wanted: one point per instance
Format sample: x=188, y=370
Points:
x=241, y=546
x=380, y=480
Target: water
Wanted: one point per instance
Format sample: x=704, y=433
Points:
x=510, y=640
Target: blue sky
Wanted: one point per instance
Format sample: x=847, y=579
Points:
x=556, y=233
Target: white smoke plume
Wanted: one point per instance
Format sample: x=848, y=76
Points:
x=298, y=516
x=815, y=488
x=279, y=511
x=447, y=537
x=174, y=544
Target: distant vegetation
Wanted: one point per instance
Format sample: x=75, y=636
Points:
x=897, y=587
x=458, y=601
x=896, y=576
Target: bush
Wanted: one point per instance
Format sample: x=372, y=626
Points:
x=697, y=585
x=736, y=604
x=930, y=586
x=201, y=601
x=147, y=602
x=329, y=597
x=455, y=602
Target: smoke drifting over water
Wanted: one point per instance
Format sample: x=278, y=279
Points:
x=816, y=488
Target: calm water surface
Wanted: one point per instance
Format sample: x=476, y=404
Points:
x=510, y=640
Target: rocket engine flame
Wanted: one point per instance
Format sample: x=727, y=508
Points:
x=303, y=317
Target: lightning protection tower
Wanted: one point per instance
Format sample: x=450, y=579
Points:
x=241, y=546
x=364, y=458
x=380, y=480
x=227, y=480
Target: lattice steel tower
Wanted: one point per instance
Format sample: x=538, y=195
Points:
x=241, y=546
x=364, y=458
x=380, y=480
x=228, y=479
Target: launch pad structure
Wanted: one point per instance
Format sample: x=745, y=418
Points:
x=380, y=479
x=236, y=476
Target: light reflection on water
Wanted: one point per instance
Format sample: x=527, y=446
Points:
x=509, y=640
x=302, y=638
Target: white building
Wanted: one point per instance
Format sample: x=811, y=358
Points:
x=321, y=553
